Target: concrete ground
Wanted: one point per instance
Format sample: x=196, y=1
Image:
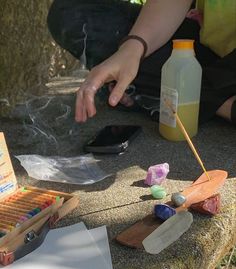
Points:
x=121, y=199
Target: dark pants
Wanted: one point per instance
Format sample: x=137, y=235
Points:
x=107, y=21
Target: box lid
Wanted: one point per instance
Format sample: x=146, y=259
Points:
x=8, y=183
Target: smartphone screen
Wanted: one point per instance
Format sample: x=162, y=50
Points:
x=113, y=139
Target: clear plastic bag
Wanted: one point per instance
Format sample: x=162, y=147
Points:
x=81, y=170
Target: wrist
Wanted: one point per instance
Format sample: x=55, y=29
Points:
x=136, y=45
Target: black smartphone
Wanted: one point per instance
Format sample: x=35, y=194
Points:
x=112, y=139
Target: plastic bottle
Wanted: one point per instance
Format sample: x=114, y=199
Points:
x=180, y=89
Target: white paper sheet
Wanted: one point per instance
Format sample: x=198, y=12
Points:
x=100, y=237
x=68, y=248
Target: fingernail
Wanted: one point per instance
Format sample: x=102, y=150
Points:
x=113, y=100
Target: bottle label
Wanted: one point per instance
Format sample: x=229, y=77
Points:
x=170, y=96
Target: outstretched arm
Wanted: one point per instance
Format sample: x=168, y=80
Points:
x=157, y=22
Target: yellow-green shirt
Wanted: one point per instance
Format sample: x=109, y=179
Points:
x=218, y=30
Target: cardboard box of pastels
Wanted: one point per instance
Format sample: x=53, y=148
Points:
x=26, y=213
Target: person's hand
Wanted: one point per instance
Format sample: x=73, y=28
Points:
x=121, y=67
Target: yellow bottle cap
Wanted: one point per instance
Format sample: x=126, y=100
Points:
x=183, y=44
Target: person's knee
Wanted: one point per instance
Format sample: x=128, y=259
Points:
x=66, y=26
x=53, y=21
x=103, y=22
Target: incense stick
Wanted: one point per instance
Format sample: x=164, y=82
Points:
x=188, y=139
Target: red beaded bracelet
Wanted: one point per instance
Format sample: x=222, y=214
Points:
x=140, y=39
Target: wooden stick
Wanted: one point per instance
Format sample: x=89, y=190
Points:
x=188, y=140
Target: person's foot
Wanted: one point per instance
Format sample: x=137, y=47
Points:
x=126, y=100
x=225, y=111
